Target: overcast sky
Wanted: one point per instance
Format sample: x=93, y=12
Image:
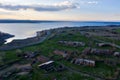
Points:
x=82, y=10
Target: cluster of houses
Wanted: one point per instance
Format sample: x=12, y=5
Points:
x=18, y=69
x=102, y=32
x=79, y=61
x=96, y=51
x=45, y=63
x=72, y=43
x=25, y=68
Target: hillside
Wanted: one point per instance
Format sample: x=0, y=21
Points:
x=86, y=53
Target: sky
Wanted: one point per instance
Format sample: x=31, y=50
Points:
x=73, y=10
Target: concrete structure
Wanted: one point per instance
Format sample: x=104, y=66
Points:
x=101, y=51
x=47, y=66
x=85, y=62
x=42, y=59
x=65, y=54
x=28, y=55
x=62, y=53
x=96, y=51
x=24, y=68
x=42, y=33
x=117, y=54
x=72, y=43
x=50, y=66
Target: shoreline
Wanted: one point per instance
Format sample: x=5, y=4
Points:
x=4, y=37
x=44, y=34
x=64, y=27
x=19, y=43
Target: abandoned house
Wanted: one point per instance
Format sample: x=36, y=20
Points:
x=105, y=45
x=51, y=67
x=116, y=54
x=65, y=54
x=95, y=51
x=22, y=73
x=42, y=33
x=86, y=50
x=72, y=43
x=42, y=59
x=101, y=51
x=61, y=52
x=47, y=66
x=28, y=55
x=85, y=62
x=24, y=68
x=108, y=45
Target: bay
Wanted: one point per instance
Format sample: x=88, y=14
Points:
x=25, y=30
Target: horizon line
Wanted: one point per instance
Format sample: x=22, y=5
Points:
x=60, y=20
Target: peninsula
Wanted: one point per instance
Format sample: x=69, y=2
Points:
x=4, y=36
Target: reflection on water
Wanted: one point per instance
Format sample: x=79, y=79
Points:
x=24, y=30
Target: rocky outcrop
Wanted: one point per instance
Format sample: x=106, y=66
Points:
x=4, y=36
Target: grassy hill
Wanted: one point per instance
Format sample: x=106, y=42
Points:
x=73, y=72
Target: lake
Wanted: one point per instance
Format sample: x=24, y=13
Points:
x=25, y=30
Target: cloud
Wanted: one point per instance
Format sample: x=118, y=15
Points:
x=5, y=12
x=66, y=5
x=92, y=2
x=87, y=2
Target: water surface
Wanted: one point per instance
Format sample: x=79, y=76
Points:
x=25, y=30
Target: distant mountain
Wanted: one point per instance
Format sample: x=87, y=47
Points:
x=41, y=21
x=23, y=21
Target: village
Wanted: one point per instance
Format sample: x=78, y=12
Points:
x=89, y=53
